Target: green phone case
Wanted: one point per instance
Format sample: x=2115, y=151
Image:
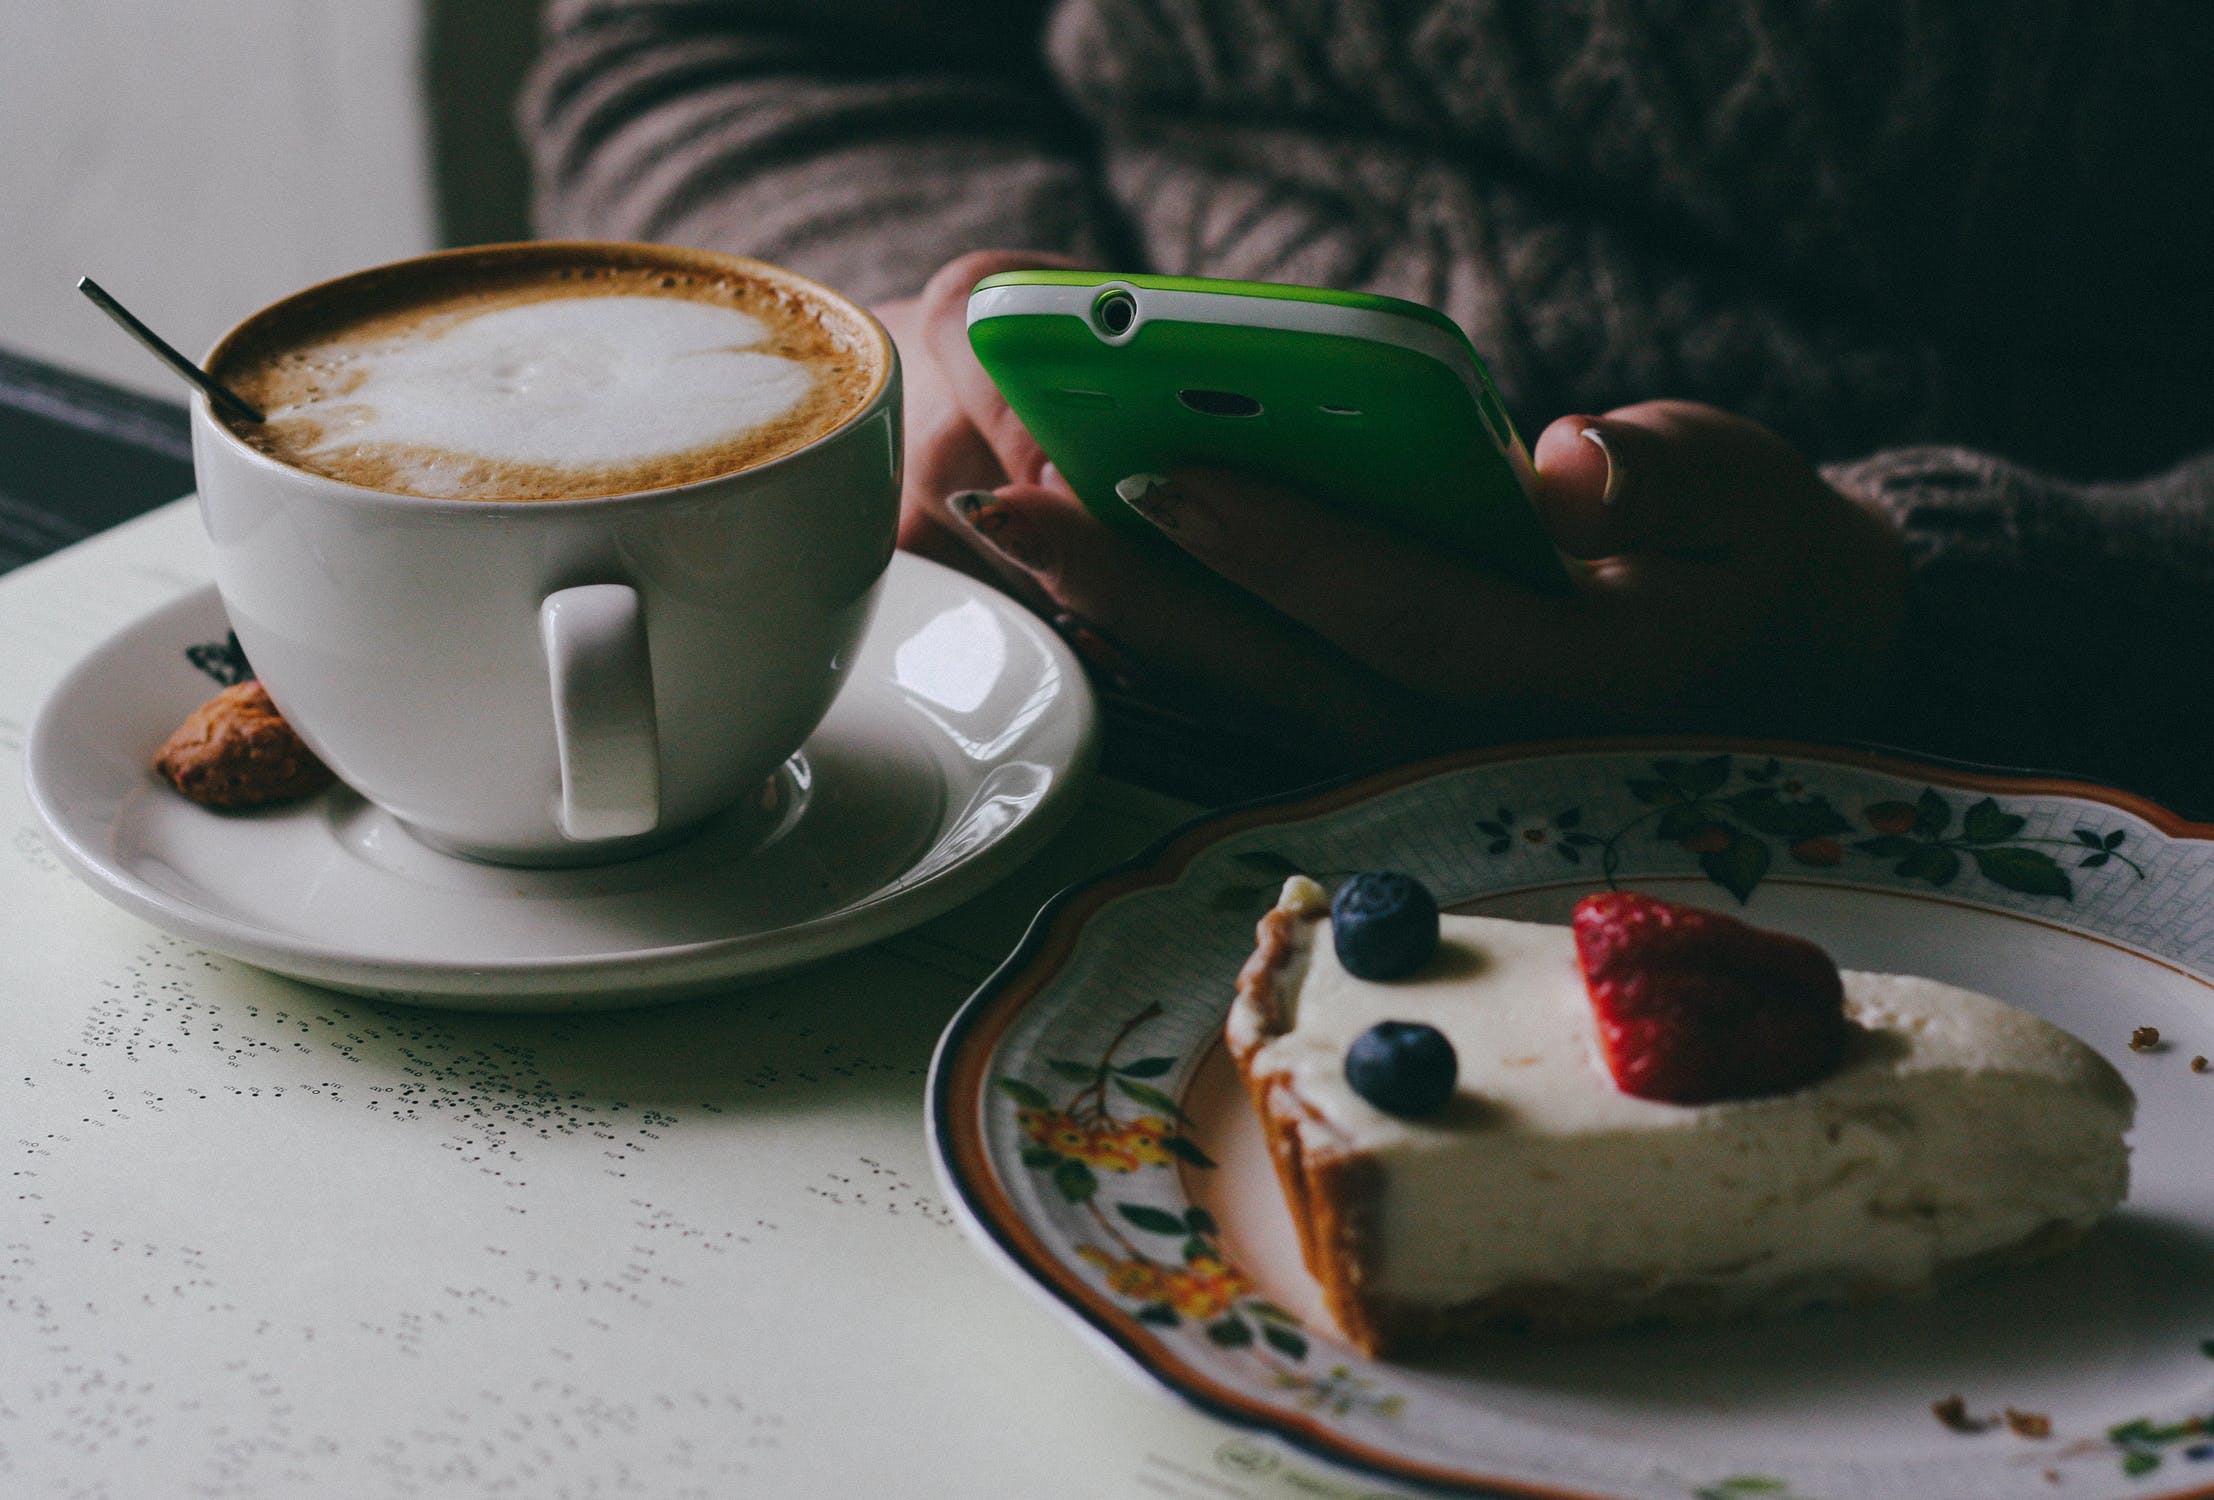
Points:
x=1361, y=401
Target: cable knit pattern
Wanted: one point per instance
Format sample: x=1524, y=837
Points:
x=852, y=151
x=2052, y=625
x=1876, y=226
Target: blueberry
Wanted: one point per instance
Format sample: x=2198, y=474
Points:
x=1385, y=924
x=1403, y=1068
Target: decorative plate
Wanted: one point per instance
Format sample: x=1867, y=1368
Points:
x=1091, y=1131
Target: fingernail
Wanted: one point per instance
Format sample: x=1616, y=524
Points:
x=1100, y=656
x=1004, y=529
x=1167, y=505
x=1050, y=477
x=1153, y=496
x=1592, y=435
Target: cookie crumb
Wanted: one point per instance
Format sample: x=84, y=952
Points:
x=2201, y=1065
x=1953, y=1412
x=2029, y=1424
x=2144, y=1039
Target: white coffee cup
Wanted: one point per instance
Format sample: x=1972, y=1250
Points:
x=560, y=681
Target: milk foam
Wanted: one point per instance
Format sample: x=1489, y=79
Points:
x=579, y=383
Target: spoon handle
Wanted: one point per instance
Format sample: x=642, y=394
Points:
x=219, y=393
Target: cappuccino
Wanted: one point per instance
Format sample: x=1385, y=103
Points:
x=549, y=372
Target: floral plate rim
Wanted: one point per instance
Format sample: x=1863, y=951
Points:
x=962, y=1069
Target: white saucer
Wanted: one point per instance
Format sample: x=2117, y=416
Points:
x=957, y=748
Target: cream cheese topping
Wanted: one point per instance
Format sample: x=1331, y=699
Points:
x=1957, y=1125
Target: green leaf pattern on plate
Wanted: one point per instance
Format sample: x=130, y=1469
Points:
x=1738, y=817
x=2142, y=1445
x=1742, y=819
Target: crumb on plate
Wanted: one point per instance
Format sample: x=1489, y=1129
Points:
x=1953, y=1412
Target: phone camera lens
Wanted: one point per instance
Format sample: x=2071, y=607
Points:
x=1116, y=312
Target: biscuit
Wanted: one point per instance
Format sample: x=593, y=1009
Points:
x=236, y=750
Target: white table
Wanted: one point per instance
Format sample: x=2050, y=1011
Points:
x=260, y=1239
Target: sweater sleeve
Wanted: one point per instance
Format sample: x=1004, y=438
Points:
x=2054, y=625
x=863, y=142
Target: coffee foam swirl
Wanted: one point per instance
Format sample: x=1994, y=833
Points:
x=579, y=383
x=550, y=371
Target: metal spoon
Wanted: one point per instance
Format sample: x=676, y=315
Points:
x=222, y=395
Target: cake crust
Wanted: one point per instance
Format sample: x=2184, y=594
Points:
x=1331, y=1193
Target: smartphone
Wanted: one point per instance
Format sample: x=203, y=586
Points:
x=1365, y=402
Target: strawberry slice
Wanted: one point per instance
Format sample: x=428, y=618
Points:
x=1694, y=1006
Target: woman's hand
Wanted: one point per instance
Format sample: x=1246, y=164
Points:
x=1726, y=588
x=960, y=435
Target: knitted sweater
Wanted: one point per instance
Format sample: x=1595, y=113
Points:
x=1961, y=263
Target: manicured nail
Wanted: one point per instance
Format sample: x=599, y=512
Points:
x=1153, y=496
x=1003, y=528
x=1169, y=506
x=1101, y=657
x=1598, y=439
x=1050, y=477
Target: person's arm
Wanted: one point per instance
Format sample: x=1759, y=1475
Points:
x=2054, y=625
x=862, y=142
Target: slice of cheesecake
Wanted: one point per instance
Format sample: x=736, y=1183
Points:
x=1955, y=1131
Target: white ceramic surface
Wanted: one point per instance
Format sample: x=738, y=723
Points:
x=1096, y=1141
x=959, y=745
x=401, y=635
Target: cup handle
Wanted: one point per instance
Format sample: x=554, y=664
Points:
x=604, y=730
